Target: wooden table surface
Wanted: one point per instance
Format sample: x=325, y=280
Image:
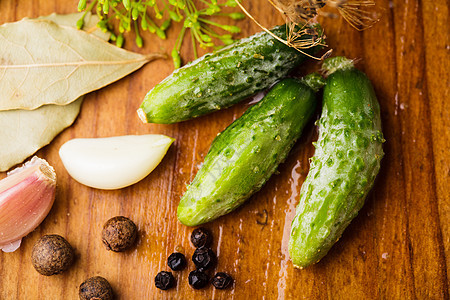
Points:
x=397, y=248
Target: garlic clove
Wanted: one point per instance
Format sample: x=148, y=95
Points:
x=113, y=162
x=11, y=247
x=26, y=197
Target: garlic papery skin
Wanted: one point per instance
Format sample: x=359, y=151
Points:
x=113, y=162
x=26, y=197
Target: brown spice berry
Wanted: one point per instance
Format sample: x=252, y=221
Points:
x=119, y=234
x=95, y=288
x=51, y=255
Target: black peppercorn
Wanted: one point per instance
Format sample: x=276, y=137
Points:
x=119, y=234
x=51, y=255
x=201, y=237
x=198, y=279
x=221, y=280
x=164, y=280
x=203, y=258
x=176, y=261
x=97, y=288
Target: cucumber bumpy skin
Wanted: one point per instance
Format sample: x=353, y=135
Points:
x=244, y=156
x=345, y=164
x=221, y=79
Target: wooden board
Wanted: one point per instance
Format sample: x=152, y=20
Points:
x=397, y=248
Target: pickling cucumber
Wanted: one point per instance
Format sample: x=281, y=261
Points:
x=345, y=164
x=223, y=78
x=243, y=157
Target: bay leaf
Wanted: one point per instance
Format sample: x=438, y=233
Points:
x=90, y=23
x=23, y=132
x=43, y=63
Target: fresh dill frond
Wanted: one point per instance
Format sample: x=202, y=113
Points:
x=145, y=15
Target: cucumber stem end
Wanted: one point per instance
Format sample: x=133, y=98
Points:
x=142, y=115
x=331, y=65
x=314, y=80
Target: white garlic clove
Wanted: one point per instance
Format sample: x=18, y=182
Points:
x=113, y=162
x=11, y=247
x=26, y=197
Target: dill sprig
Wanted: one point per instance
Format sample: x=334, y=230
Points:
x=145, y=15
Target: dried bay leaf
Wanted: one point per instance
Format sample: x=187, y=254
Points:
x=23, y=132
x=43, y=63
x=26, y=131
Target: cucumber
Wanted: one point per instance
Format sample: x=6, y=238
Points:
x=221, y=79
x=243, y=157
x=345, y=164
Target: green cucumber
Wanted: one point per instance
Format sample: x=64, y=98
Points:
x=345, y=164
x=244, y=156
x=221, y=79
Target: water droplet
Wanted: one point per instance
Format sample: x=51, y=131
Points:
x=316, y=175
x=361, y=142
x=346, y=186
x=228, y=153
x=336, y=183
x=350, y=153
x=380, y=137
x=346, y=133
x=278, y=137
x=364, y=181
x=359, y=163
x=322, y=193
x=330, y=162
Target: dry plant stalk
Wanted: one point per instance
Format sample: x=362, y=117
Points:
x=300, y=13
x=358, y=13
x=299, y=35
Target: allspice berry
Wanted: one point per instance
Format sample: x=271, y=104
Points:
x=119, y=234
x=51, y=255
x=95, y=288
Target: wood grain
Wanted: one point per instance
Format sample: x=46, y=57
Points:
x=397, y=248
